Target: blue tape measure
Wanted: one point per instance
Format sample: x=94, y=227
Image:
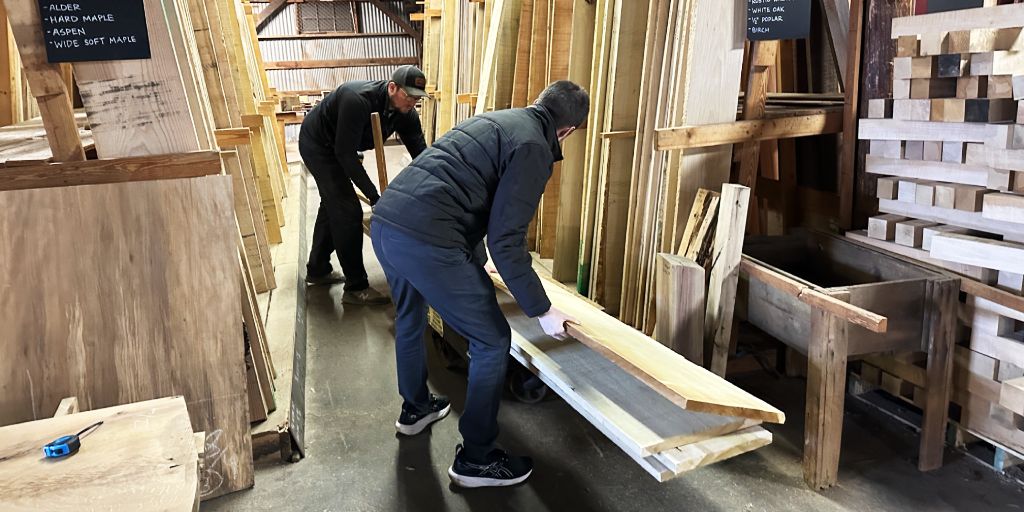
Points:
x=68, y=445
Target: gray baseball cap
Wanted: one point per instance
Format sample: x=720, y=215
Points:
x=411, y=79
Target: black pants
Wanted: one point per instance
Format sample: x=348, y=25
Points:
x=339, y=222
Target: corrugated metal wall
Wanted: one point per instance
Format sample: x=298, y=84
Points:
x=372, y=21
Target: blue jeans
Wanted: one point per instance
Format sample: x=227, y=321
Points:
x=460, y=290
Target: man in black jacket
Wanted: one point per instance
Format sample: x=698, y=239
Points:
x=331, y=135
x=484, y=177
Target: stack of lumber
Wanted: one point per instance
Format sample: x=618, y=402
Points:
x=669, y=415
x=616, y=200
x=948, y=150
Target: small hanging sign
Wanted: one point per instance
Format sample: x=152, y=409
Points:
x=94, y=30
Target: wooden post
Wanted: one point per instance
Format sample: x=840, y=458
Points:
x=849, y=150
x=680, y=306
x=762, y=58
x=940, y=340
x=378, y=148
x=837, y=15
x=8, y=92
x=728, y=250
x=46, y=81
x=826, y=392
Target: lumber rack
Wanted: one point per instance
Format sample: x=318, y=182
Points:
x=871, y=304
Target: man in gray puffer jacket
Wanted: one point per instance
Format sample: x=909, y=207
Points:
x=483, y=178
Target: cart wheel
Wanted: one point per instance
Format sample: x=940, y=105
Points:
x=525, y=386
x=452, y=360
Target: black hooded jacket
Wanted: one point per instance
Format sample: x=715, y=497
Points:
x=340, y=125
x=484, y=177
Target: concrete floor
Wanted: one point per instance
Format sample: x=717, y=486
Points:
x=355, y=462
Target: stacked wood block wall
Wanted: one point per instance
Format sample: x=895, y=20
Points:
x=948, y=151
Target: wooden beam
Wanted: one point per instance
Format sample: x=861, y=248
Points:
x=762, y=59
x=732, y=220
x=826, y=392
x=699, y=136
x=116, y=170
x=996, y=17
x=269, y=12
x=848, y=158
x=329, y=35
x=231, y=137
x=490, y=48
x=378, y=149
x=981, y=252
x=46, y=81
x=942, y=300
x=341, y=63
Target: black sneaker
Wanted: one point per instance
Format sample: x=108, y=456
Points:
x=411, y=423
x=500, y=470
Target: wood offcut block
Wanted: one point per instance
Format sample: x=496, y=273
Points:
x=907, y=46
x=945, y=196
x=990, y=63
x=952, y=65
x=906, y=191
x=901, y=89
x=922, y=67
x=913, y=150
x=954, y=152
x=1017, y=82
x=968, y=87
x=1020, y=112
x=958, y=41
x=1018, y=183
x=932, y=151
x=1011, y=282
x=930, y=232
x=883, y=227
x=1000, y=179
x=969, y=198
x=887, y=149
x=1000, y=87
x=948, y=110
x=990, y=110
x=880, y=108
x=1007, y=207
x=933, y=44
x=912, y=110
x=901, y=68
x=887, y=188
x=925, y=195
x=998, y=39
x=927, y=88
x=910, y=233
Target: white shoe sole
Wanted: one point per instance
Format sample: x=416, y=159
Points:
x=423, y=423
x=473, y=481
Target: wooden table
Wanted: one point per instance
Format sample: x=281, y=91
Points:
x=143, y=458
x=833, y=299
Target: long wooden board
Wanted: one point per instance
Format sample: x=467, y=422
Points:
x=1004, y=16
x=140, y=300
x=684, y=383
x=142, y=458
x=630, y=414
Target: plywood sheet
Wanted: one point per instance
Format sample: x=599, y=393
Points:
x=132, y=294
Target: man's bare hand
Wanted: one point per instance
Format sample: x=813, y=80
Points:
x=554, y=323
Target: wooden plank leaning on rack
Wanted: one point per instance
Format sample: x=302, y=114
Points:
x=686, y=384
x=829, y=121
x=117, y=170
x=46, y=82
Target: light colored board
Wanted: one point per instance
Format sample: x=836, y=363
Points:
x=889, y=129
x=703, y=453
x=1004, y=16
x=997, y=63
x=946, y=172
x=681, y=300
x=931, y=231
x=153, y=285
x=66, y=406
x=728, y=249
x=889, y=149
x=1011, y=282
x=912, y=109
x=142, y=457
x=640, y=418
x=684, y=383
x=981, y=252
x=906, y=191
x=1004, y=208
x=966, y=219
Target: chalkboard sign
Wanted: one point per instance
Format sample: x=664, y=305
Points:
x=778, y=19
x=930, y=6
x=89, y=30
